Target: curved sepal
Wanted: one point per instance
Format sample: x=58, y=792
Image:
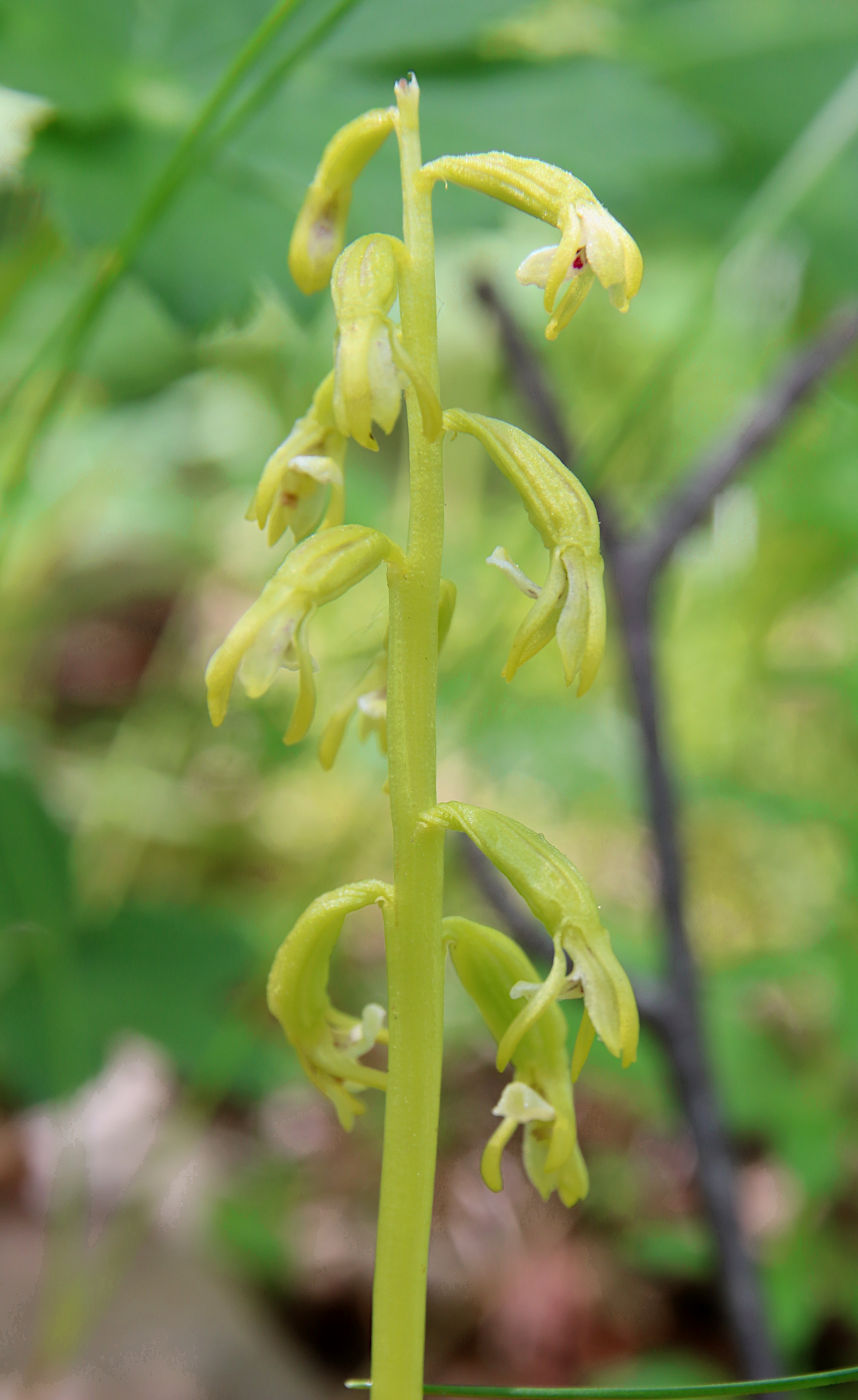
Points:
x=489, y=965
x=272, y=633
x=560, y=898
x=328, y=1042
x=320, y=228
x=555, y=500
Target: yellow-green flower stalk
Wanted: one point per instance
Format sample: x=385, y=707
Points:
x=375, y=362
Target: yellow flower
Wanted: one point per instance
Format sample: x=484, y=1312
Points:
x=371, y=367
x=367, y=383
x=539, y=1099
x=571, y=605
x=592, y=243
x=561, y=899
x=272, y=633
x=304, y=474
x=329, y=1043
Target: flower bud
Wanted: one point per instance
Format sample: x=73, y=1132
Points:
x=272, y=633
x=329, y=1043
x=320, y=228
x=560, y=898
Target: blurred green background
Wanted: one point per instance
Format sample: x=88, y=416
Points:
x=179, y=1214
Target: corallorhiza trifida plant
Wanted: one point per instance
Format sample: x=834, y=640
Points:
x=301, y=490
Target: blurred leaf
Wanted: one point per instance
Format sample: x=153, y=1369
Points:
x=35, y=887
x=38, y=42
x=680, y=1249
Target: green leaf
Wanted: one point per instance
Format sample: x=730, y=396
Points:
x=75, y=55
x=35, y=886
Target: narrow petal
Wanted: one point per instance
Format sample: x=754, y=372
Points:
x=569, y=303
x=305, y=705
x=594, y=649
x=547, y=994
x=562, y=262
x=538, y=628
x=583, y=1045
x=501, y=560
x=490, y=1168
x=573, y=620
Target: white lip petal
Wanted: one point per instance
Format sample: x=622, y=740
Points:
x=323, y=469
x=534, y=271
x=267, y=654
x=373, y=704
x=523, y=1105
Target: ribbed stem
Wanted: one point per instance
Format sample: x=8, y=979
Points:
x=415, y=959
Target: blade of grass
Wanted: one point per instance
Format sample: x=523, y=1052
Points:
x=67, y=339
x=667, y=1392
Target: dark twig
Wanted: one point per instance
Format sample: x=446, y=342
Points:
x=634, y=564
x=761, y=424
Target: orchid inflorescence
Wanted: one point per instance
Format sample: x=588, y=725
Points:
x=302, y=490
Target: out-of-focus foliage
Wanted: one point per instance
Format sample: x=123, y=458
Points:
x=148, y=866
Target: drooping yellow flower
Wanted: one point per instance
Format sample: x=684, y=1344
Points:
x=329, y=1043
x=593, y=244
x=571, y=604
x=561, y=899
x=539, y=1098
x=304, y=475
x=371, y=367
x=272, y=633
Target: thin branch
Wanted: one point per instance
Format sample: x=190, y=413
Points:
x=765, y=419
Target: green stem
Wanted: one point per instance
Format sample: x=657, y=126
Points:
x=415, y=958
